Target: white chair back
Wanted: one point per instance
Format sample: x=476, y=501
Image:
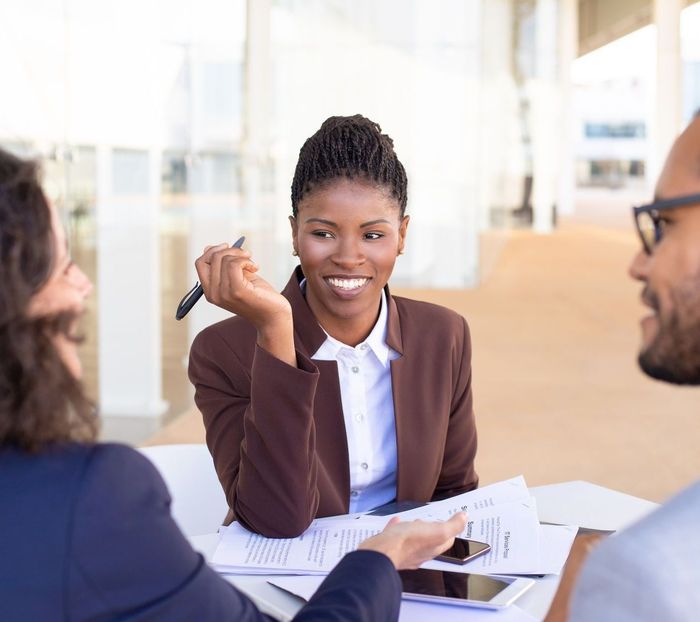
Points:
x=199, y=505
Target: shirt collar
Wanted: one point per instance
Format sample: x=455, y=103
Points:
x=375, y=341
x=308, y=334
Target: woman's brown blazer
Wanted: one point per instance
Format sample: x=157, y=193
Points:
x=277, y=433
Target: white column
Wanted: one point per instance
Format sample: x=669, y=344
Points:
x=568, y=49
x=213, y=219
x=499, y=172
x=258, y=206
x=443, y=242
x=666, y=121
x=128, y=283
x=256, y=98
x=216, y=218
x=545, y=118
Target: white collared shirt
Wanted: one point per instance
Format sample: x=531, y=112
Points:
x=364, y=373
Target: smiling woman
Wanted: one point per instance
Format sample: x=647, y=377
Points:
x=347, y=236
x=333, y=396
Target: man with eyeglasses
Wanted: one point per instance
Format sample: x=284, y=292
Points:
x=651, y=571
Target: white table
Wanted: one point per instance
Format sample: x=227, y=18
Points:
x=571, y=503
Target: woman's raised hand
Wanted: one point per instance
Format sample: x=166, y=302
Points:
x=229, y=279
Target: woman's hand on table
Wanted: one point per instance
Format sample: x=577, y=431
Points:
x=409, y=544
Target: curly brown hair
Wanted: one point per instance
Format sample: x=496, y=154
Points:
x=41, y=402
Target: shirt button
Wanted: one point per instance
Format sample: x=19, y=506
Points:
x=353, y=493
x=364, y=466
x=364, y=346
x=359, y=417
x=355, y=369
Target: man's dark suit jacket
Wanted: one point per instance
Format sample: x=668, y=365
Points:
x=277, y=433
x=86, y=534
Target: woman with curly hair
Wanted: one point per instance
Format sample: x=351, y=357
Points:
x=85, y=528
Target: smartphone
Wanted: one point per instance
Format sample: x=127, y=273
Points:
x=463, y=550
x=460, y=588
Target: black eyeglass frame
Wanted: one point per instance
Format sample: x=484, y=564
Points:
x=653, y=209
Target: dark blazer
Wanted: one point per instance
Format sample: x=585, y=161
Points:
x=277, y=432
x=86, y=534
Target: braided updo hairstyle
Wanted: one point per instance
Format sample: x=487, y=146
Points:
x=351, y=147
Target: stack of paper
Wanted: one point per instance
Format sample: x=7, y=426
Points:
x=316, y=551
x=503, y=514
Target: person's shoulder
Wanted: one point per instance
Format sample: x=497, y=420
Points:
x=669, y=526
x=662, y=539
x=648, y=571
x=58, y=464
x=428, y=314
x=71, y=455
x=683, y=506
x=109, y=455
x=56, y=469
x=121, y=475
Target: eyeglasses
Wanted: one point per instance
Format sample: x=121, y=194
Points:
x=650, y=225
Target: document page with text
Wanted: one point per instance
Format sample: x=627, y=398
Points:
x=317, y=550
x=503, y=515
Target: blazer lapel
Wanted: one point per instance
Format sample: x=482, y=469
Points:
x=400, y=370
x=308, y=334
x=331, y=437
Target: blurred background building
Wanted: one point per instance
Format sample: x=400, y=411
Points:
x=166, y=126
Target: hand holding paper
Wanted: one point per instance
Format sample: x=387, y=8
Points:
x=503, y=514
x=409, y=544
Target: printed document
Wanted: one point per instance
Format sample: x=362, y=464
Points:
x=507, y=491
x=511, y=529
x=503, y=514
x=316, y=551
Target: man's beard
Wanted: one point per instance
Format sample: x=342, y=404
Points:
x=674, y=354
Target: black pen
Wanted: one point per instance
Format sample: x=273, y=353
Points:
x=191, y=297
